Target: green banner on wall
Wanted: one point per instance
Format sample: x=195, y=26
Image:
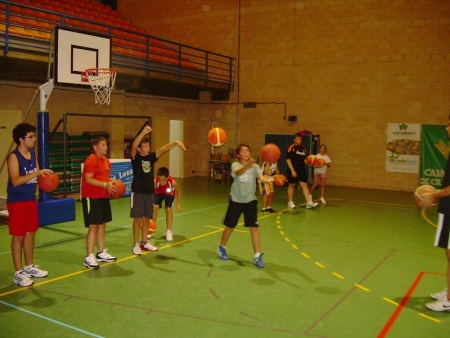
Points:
x=433, y=153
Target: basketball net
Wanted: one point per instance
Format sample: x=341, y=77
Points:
x=102, y=83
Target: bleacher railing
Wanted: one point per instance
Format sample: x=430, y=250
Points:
x=28, y=26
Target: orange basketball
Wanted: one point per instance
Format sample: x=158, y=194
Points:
x=310, y=160
x=217, y=137
x=151, y=227
x=48, y=182
x=270, y=153
x=422, y=190
x=279, y=180
x=318, y=162
x=120, y=189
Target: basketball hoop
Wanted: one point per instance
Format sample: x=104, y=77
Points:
x=102, y=83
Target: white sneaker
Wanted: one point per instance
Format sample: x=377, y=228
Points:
x=291, y=205
x=169, y=236
x=149, y=236
x=323, y=200
x=34, y=271
x=90, y=262
x=439, y=305
x=22, y=279
x=439, y=295
x=137, y=249
x=103, y=256
x=148, y=247
x=311, y=205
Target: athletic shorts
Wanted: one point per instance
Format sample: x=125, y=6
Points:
x=442, y=239
x=320, y=174
x=168, y=200
x=23, y=217
x=265, y=188
x=234, y=211
x=141, y=205
x=301, y=176
x=96, y=211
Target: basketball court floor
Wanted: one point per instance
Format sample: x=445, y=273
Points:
x=363, y=265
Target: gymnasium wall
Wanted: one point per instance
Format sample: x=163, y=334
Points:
x=346, y=68
x=198, y=118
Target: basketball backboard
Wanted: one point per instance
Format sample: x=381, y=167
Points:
x=76, y=51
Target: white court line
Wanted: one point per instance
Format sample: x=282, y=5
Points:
x=51, y=320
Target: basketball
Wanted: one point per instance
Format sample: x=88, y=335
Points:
x=279, y=180
x=217, y=137
x=318, y=162
x=270, y=153
x=151, y=227
x=422, y=190
x=48, y=182
x=310, y=160
x=120, y=189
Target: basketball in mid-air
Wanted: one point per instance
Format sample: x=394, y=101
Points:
x=270, y=153
x=120, y=189
x=217, y=137
x=151, y=227
x=422, y=190
x=310, y=160
x=48, y=182
x=279, y=180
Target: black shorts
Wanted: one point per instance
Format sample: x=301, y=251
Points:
x=301, y=175
x=442, y=239
x=96, y=211
x=234, y=211
x=168, y=200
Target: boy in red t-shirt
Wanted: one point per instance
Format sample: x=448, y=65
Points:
x=166, y=189
x=96, y=186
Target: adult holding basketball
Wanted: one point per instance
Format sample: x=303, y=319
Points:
x=23, y=171
x=296, y=172
x=442, y=239
x=243, y=201
x=96, y=186
x=143, y=186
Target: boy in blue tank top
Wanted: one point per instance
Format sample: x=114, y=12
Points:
x=23, y=171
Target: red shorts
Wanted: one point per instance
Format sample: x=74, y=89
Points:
x=23, y=217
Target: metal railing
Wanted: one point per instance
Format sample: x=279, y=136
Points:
x=28, y=26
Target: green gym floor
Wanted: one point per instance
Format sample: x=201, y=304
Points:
x=363, y=265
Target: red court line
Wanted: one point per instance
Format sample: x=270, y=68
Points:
x=402, y=304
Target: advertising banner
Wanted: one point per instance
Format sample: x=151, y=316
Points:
x=434, y=153
x=403, y=148
x=120, y=170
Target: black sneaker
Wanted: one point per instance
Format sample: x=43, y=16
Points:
x=264, y=210
x=270, y=211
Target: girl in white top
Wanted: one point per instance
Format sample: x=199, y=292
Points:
x=320, y=172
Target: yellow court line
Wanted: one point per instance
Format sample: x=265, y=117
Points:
x=320, y=265
x=361, y=287
x=106, y=264
x=390, y=301
x=338, y=275
x=430, y=318
x=427, y=219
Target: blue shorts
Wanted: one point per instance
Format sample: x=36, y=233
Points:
x=234, y=211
